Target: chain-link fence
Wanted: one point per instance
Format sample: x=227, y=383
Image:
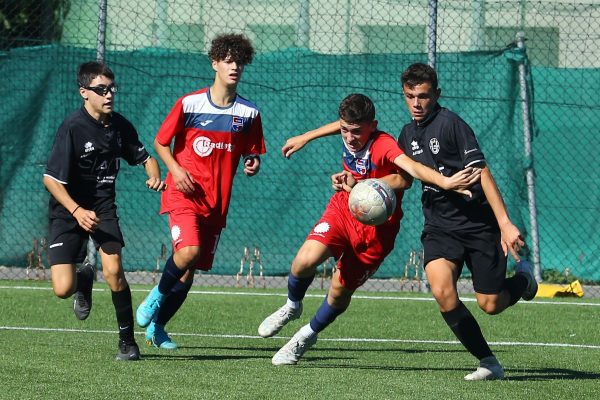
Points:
x=310, y=54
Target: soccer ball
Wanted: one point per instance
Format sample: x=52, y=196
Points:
x=372, y=201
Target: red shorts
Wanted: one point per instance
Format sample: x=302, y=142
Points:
x=191, y=229
x=360, y=249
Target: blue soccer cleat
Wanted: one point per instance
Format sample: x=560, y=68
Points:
x=149, y=307
x=157, y=336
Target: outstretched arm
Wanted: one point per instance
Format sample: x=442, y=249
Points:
x=153, y=171
x=458, y=182
x=296, y=143
x=511, y=237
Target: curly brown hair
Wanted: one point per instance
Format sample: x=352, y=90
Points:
x=237, y=46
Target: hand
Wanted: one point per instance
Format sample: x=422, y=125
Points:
x=251, y=166
x=184, y=182
x=460, y=181
x=511, y=240
x=342, y=181
x=86, y=219
x=293, y=145
x=156, y=184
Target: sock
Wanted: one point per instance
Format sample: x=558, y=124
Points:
x=297, y=287
x=307, y=331
x=325, y=315
x=515, y=286
x=170, y=276
x=173, y=302
x=467, y=330
x=122, y=302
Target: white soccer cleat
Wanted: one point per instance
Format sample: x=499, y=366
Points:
x=489, y=369
x=276, y=321
x=523, y=267
x=294, y=349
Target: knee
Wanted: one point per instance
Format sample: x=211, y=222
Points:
x=444, y=296
x=187, y=257
x=489, y=306
x=64, y=292
x=302, y=266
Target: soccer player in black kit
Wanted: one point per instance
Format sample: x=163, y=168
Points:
x=80, y=176
x=459, y=230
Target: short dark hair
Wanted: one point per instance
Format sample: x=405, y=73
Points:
x=419, y=73
x=357, y=108
x=89, y=71
x=237, y=46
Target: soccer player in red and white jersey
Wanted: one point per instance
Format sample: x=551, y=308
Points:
x=359, y=249
x=212, y=129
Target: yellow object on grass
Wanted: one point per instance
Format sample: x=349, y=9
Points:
x=553, y=290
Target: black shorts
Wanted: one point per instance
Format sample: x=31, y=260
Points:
x=481, y=251
x=68, y=241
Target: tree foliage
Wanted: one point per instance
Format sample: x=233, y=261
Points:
x=31, y=22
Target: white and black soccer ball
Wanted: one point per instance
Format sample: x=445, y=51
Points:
x=372, y=201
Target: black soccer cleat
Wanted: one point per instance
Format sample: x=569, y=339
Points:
x=82, y=299
x=128, y=351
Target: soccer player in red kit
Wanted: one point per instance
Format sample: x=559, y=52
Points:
x=213, y=129
x=359, y=249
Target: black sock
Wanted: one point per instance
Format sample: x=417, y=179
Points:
x=515, y=286
x=122, y=302
x=467, y=330
x=172, y=303
x=170, y=276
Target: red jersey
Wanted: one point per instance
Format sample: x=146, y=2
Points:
x=209, y=142
x=376, y=160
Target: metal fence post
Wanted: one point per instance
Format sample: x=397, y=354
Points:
x=432, y=33
x=101, y=38
x=530, y=174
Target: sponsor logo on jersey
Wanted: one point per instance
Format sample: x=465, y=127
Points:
x=88, y=147
x=415, y=148
x=203, y=146
x=175, y=232
x=321, y=229
x=204, y=123
x=434, y=145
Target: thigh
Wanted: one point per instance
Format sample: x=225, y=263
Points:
x=190, y=230
x=67, y=242
x=487, y=262
x=311, y=254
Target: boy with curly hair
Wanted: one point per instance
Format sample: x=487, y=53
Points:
x=212, y=129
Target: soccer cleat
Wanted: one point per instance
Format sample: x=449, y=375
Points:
x=489, y=369
x=523, y=267
x=276, y=321
x=82, y=298
x=294, y=349
x=128, y=351
x=157, y=336
x=149, y=307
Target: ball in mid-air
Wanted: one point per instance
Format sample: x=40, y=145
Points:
x=372, y=201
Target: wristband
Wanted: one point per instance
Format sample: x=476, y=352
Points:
x=76, y=208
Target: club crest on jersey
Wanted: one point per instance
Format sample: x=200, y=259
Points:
x=361, y=166
x=434, y=145
x=237, y=124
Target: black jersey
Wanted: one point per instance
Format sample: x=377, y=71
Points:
x=444, y=142
x=85, y=158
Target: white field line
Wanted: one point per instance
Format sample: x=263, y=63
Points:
x=363, y=340
x=357, y=296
